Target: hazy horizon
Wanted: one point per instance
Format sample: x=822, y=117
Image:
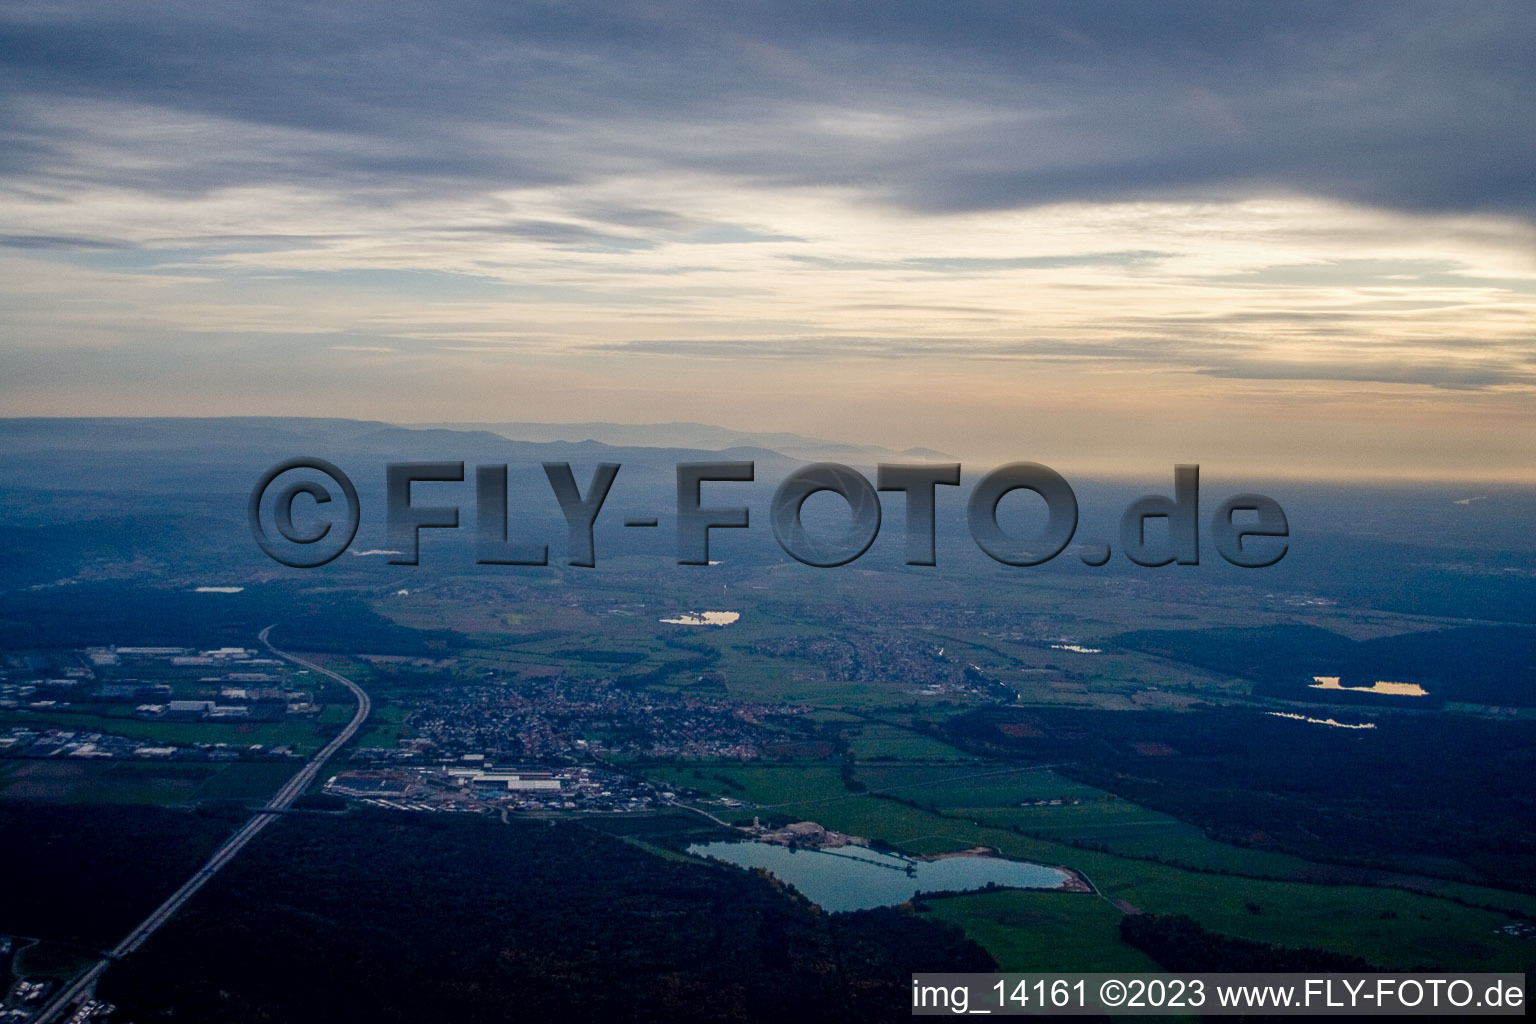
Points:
x=654, y=435
x=1300, y=241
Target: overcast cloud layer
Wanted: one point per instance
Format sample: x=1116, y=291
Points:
x=944, y=105
x=615, y=205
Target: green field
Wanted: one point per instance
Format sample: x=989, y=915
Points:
x=1122, y=827
x=758, y=677
x=973, y=784
x=1388, y=927
x=384, y=728
x=300, y=733
x=767, y=786
x=879, y=740
x=1039, y=931
x=140, y=782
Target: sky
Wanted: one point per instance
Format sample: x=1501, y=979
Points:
x=1293, y=239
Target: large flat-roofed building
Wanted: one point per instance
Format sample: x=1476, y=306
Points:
x=515, y=782
x=188, y=708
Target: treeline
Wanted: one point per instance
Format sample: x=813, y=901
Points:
x=1446, y=786
x=877, y=950
x=86, y=874
x=592, y=654
x=1343, y=879
x=1480, y=664
x=400, y=918
x=91, y=614
x=704, y=658
x=1181, y=944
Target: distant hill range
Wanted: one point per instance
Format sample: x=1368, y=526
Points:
x=693, y=435
x=110, y=496
x=156, y=452
x=135, y=454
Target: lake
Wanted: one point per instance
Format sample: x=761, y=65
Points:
x=856, y=878
x=704, y=618
x=1380, y=686
x=1331, y=722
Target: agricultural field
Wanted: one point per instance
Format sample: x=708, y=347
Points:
x=140, y=782
x=880, y=741
x=1034, y=931
x=1386, y=926
x=305, y=735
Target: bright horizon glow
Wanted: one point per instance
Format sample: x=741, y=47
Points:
x=966, y=259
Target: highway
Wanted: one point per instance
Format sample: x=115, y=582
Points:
x=84, y=985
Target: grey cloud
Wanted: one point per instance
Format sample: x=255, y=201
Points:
x=559, y=234
x=1445, y=376
x=1399, y=273
x=983, y=265
x=57, y=242
x=1212, y=355
x=1422, y=106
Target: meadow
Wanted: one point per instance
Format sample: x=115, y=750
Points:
x=1389, y=927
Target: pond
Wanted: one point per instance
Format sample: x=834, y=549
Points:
x=856, y=878
x=704, y=618
x=1380, y=686
x=1331, y=722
